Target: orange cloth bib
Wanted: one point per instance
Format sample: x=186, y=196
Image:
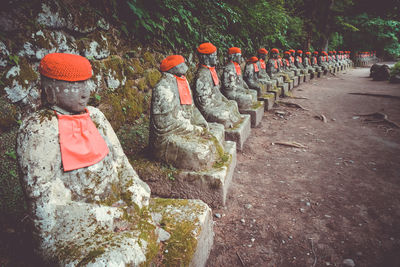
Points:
x=262, y=64
x=255, y=67
x=300, y=59
x=237, y=68
x=276, y=64
x=80, y=142
x=184, y=91
x=213, y=74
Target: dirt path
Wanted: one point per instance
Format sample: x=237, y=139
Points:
x=336, y=199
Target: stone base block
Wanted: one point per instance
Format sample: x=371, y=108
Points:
x=319, y=74
x=240, y=132
x=256, y=113
x=211, y=185
x=291, y=85
x=269, y=100
x=190, y=225
x=301, y=79
x=284, y=89
x=307, y=77
x=296, y=81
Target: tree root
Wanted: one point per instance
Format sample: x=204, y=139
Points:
x=379, y=117
x=291, y=105
x=290, y=144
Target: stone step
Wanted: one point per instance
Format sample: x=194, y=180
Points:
x=268, y=99
x=256, y=113
x=240, y=132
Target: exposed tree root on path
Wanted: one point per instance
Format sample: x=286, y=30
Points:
x=291, y=105
x=290, y=144
x=379, y=117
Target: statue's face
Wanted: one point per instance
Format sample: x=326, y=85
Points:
x=274, y=55
x=69, y=96
x=236, y=57
x=262, y=56
x=286, y=56
x=213, y=59
x=179, y=70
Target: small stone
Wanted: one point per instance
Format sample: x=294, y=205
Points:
x=162, y=235
x=218, y=215
x=327, y=263
x=327, y=216
x=243, y=221
x=348, y=263
x=355, y=117
x=248, y=206
x=392, y=238
x=302, y=210
x=290, y=237
x=280, y=112
x=283, y=241
x=253, y=239
x=308, y=204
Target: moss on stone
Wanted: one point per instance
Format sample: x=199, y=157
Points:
x=26, y=76
x=149, y=58
x=93, y=254
x=152, y=76
x=141, y=84
x=137, y=67
x=8, y=113
x=257, y=105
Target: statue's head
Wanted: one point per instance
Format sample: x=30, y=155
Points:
x=64, y=81
x=315, y=53
x=235, y=54
x=262, y=53
x=292, y=52
x=330, y=53
x=286, y=54
x=175, y=65
x=274, y=53
x=299, y=53
x=252, y=60
x=207, y=54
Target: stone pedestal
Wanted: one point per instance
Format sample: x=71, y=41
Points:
x=190, y=225
x=284, y=89
x=291, y=85
x=240, y=132
x=256, y=113
x=269, y=100
x=296, y=81
x=211, y=186
x=307, y=77
x=319, y=74
x=301, y=78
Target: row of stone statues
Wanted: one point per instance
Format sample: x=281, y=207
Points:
x=86, y=202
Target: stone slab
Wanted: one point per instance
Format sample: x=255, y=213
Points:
x=210, y=186
x=296, y=81
x=291, y=85
x=301, y=79
x=319, y=74
x=307, y=77
x=176, y=215
x=284, y=89
x=256, y=113
x=269, y=100
x=239, y=133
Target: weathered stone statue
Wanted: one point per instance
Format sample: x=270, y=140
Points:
x=307, y=64
x=213, y=105
x=87, y=204
x=262, y=74
x=251, y=75
x=314, y=62
x=233, y=85
x=299, y=61
x=178, y=132
x=288, y=65
x=323, y=61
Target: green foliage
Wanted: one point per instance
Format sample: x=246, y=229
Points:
x=395, y=70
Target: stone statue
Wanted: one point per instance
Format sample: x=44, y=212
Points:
x=298, y=62
x=289, y=66
x=233, y=86
x=307, y=63
x=81, y=189
x=262, y=74
x=314, y=62
x=323, y=61
x=213, y=105
x=178, y=132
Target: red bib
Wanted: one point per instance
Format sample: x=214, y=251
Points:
x=255, y=67
x=80, y=142
x=292, y=59
x=237, y=68
x=280, y=61
x=287, y=62
x=213, y=74
x=184, y=91
x=315, y=60
x=276, y=64
x=300, y=59
x=262, y=64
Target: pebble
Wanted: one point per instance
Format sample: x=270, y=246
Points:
x=248, y=206
x=355, y=117
x=302, y=210
x=218, y=215
x=253, y=239
x=327, y=216
x=308, y=204
x=280, y=112
x=348, y=263
x=243, y=220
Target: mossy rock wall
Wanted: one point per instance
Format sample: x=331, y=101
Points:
x=124, y=71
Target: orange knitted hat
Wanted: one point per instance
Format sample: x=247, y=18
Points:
x=170, y=62
x=65, y=67
x=300, y=51
x=308, y=53
x=275, y=50
x=206, y=48
x=324, y=53
x=315, y=52
x=287, y=53
x=253, y=59
x=234, y=50
x=262, y=51
x=292, y=51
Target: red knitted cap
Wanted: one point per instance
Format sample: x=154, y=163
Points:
x=262, y=51
x=274, y=50
x=253, y=59
x=65, y=67
x=292, y=51
x=308, y=53
x=206, y=48
x=234, y=50
x=324, y=53
x=300, y=51
x=334, y=51
x=170, y=62
x=287, y=53
x=315, y=52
